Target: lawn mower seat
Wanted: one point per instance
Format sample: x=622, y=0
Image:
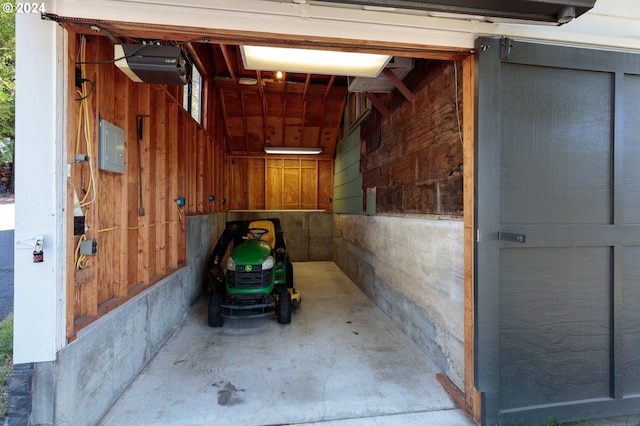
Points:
x=270, y=237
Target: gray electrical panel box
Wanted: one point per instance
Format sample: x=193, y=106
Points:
x=111, y=147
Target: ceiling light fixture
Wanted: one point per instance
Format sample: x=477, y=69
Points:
x=246, y=81
x=313, y=61
x=291, y=150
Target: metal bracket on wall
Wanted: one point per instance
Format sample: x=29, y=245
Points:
x=505, y=47
x=398, y=84
x=515, y=238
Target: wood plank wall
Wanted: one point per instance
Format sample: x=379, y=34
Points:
x=414, y=159
x=135, y=219
x=280, y=183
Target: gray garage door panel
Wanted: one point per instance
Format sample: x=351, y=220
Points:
x=557, y=348
x=562, y=174
x=630, y=318
x=631, y=157
x=558, y=232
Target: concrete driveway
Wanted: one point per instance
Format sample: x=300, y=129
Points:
x=340, y=361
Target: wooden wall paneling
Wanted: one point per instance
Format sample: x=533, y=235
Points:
x=152, y=130
x=87, y=297
x=309, y=184
x=105, y=185
x=188, y=150
x=219, y=165
x=224, y=169
x=215, y=177
x=224, y=179
x=159, y=182
x=133, y=187
x=133, y=249
x=239, y=176
x=192, y=170
x=325, y=185
x=199, y=169
x=274, y=183
x=207, y=176
x=215, y=130
x=145, y=265
x=171, y=166
x=182, y=170
x=255, y=184
x=122, y=119
x=291, y=184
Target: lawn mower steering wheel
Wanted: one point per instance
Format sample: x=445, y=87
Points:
x=257, y=233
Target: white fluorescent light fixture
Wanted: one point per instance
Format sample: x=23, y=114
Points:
x=313, y=61
x=291, y=150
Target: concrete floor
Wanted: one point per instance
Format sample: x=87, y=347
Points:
x=341, y=361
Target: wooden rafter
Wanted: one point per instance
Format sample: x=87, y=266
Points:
x=306, y=87
x=304, y=106
x=232, y=74
x=244, y=121
x=324, y=107
x=196, y=60
x=284, y=107
x=226, y=121
x=236, y=85
x=265, y=109
x=328, y=88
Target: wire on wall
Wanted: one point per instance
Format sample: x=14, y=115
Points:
x=455, y=76
x=84, y=124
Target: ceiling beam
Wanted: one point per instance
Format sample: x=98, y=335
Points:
x=232, y=74
x=196, y=59
x=244, y=121
x=265, y=106
x=324, y=107
x=304, y=107
x=224, y=119
x=328, y=88
x=236, y=84
x=284, y=110
x=306, y=87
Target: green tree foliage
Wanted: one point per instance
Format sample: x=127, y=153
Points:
x=7, y=83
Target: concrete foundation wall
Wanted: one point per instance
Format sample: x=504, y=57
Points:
x=96, y=368
x=308, y=233
x=91, y=372
x=412, y=268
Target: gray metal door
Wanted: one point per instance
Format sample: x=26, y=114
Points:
x=558, y=232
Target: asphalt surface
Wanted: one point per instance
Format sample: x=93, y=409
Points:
x=7, y=225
